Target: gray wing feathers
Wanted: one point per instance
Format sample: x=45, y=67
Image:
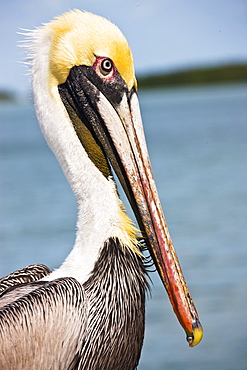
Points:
x=45, y=328
x=15, y=292
x=25, y=275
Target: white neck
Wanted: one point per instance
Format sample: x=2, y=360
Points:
x=99, y=215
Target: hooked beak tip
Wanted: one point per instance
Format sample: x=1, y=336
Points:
x=196, y=336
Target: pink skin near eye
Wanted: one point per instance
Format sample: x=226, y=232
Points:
x=104, y=67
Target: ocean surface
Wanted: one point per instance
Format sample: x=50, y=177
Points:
x=197, y=139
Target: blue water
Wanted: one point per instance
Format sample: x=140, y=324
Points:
x=197, y=139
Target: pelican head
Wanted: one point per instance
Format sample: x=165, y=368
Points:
x=85, y=94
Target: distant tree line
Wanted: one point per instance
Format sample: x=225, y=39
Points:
x=199, y=76
x=7, y=96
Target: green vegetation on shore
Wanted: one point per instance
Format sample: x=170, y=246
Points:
x=198, y=76
x=7, y=96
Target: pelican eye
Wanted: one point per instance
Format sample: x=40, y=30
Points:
x=106, y=66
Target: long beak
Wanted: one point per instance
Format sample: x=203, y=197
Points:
x=124, y=124
x=113, y=117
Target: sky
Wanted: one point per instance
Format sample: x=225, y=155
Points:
x=164, y=35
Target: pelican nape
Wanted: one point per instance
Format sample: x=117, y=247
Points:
x=90, y=312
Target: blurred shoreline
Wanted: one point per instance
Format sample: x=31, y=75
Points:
x=227, y=73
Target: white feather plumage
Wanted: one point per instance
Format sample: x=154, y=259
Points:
x=93, y=227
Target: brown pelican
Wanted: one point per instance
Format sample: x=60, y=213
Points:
x=89, y=313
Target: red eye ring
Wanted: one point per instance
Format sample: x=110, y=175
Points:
x=104, y=67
